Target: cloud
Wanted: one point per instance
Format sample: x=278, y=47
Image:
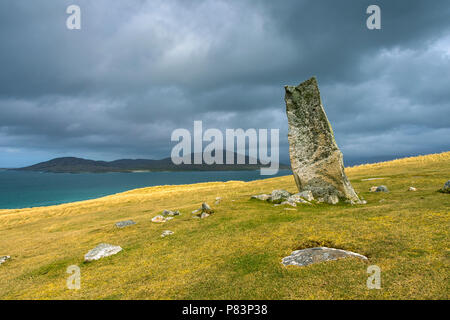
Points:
x=139, y=69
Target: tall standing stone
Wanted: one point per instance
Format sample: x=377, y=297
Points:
x=316, y=160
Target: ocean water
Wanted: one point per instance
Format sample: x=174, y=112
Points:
x=21, y=189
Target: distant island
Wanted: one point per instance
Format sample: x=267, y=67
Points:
x=80, y=165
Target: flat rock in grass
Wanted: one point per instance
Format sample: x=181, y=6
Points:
x=382, y=189
x=446, y=187
x=309, y=256
x=101, y=251
x=204, y=215
x=4, y=259
x=289, y=203
x=170, y=213
x=123, y=224
x=167, y=233
x=218, y=199
x=295, y=198
x=412, y=189
x=159, y=219
x=262, y=197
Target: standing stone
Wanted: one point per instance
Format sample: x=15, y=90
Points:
x=316, y=160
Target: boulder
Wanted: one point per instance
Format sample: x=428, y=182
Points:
x=315, y=255
x=4, y=259
x=123, y=224
x=166, y=233
x=101, y=251
x=316, y=161
x=446, y=187
x=382, y=189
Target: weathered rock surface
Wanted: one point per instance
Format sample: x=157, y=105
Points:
x=204, y=212
x=123, y=224
x=4, y=259
x=101, y=251
x=206, y=208
x=166, y=233
x=316, y=255
x=316, y=160
x=446, y=187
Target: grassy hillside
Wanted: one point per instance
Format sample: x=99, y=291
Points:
x=236, y=253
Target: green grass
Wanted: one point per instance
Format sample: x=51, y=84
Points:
x=236, y=253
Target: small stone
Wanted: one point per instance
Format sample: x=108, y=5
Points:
x=373, y=189
x=166, y=233
x=218, y=199
x=196, y=211
x=315, y=255
x=101, y=251
x=159, y=219
x=332, y=199
x=263, y=197
x=204, y=215
x=295, y=198
x=307, y=195
x=206, y=208
x=320, y=200
x=382, y=189
x=289, y=203
x=279, y=195
x=4, y=259
x=170, y=213
x=290, y=209
x=446, y=187
x=123, y=224
x=412, y=189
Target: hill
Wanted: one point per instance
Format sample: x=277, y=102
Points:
x=236, y=252
x=79, y=165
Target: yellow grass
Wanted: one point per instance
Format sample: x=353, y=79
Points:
x=236, y=253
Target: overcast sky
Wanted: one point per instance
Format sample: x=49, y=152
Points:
x=139, y=69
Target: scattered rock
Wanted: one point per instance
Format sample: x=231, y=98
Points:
x=307, y=195
x=446, y=187
x=4, y=259
x=320, y=200
x=170, y=213
x=218, y=199
x=382, y=189
x=295, y=198
x=167, y=233
x=206, y=208
x=101, y=251
x=333, y=199
x=159, y=219
x=263, y=197
x=315, y=255
x=316, y=161
x=289, y=203
x=412, y=189
x=123, y=224
x=373, y=189
x=279, y=196
x=204, y=215
x=196, y=211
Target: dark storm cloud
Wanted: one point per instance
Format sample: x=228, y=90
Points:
x=139, y=69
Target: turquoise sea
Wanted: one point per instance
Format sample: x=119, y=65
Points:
x=21, y=189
